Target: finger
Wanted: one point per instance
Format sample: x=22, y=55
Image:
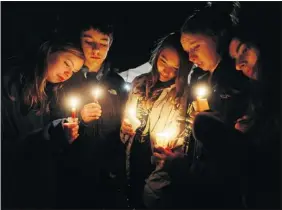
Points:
x=69, y=125
x=160, y=149
x=91, y=105
x=128, y=131
x=93, y=110
x=128, y=127
x=95, y=115
x=127, y=123
x=74, y=131
x=159, y=156
x=74, y=138
x=168, y=152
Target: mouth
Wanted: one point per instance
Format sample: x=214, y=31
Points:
x=62, y=79
x=164, y=75
x=95, y=57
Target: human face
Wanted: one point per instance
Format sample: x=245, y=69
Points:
x=95, y=46
x=61, y=66
x=201, y=50
x=246, y=57
x=168, y=64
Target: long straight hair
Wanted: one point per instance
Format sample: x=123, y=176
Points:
x=170, y=41
x=35, y=74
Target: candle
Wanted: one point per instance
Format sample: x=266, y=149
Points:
x=167, y=138
x=202, y=102
x=73, y=104
x=162, y=139
x=96, y=93
x=134, y=121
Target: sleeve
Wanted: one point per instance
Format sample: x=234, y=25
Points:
x=164, y=187
x=155, y=189
x=13, y=133
x=130, y=100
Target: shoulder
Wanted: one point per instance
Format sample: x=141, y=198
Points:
x=140, y=79
x=116, y=77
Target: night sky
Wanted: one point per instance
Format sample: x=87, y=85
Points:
x=137, y=25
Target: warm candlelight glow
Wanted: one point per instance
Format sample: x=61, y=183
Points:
x=132, y=111
x=73, y=104
x=97, y=92
x=166, y=138
x=201, y=101
x=201, y=91
x=132, y=118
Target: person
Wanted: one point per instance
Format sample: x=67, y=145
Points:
x=206, y=35
x=253, y=55
x=243, y=145
x=93, y=165
x=157, y=101
x=206, y=40
x=30, y=142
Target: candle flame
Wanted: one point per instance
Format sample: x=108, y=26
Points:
x=167, y=138
x=132, y=111
x=201, y=91
x=97, y=92
x=73, y=102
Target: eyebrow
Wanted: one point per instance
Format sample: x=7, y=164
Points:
x=193, y=42
x=162, y=56
x=89, y=36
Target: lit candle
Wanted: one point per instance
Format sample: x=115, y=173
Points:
x=202, y=102
x=162, y=139
x=96, y=93
x=73, y=103
x=73, y=112
x=167, y=139
x=134, y=121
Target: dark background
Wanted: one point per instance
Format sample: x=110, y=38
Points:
x=137, y=25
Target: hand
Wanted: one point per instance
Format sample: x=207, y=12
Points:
x=126, y=128
x=167, y=154
x=243, y=124
x=164, y=157
x=71, y=129
x=91, y=112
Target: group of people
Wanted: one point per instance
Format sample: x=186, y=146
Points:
x=109, y=154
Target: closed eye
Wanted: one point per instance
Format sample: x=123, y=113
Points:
x=67, y=64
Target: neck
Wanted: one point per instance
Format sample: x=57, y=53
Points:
x=214, y=68
x=93, y=67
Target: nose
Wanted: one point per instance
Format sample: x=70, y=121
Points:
x=166, y=70
x=95, y=47
x=192, y=57
x=240, y=65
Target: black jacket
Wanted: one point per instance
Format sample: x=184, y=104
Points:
x=30, y=144
x=229, y=90
x=98, y=150
x=229, y=96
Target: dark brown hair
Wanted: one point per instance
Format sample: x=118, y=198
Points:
x=170, y=41
x=35, y=79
